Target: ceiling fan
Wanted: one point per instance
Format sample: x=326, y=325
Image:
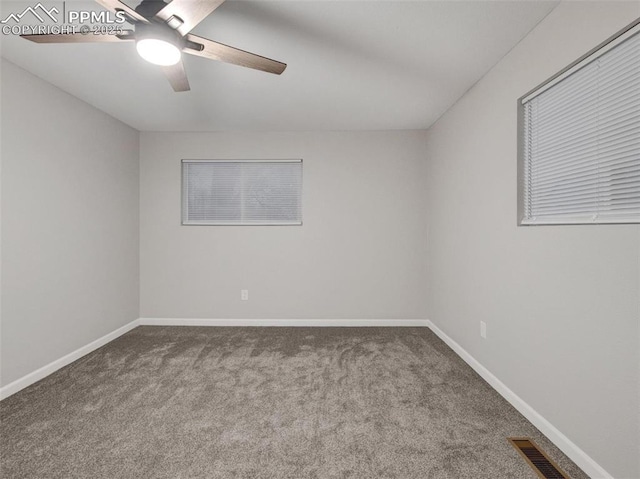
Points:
x=162, y=35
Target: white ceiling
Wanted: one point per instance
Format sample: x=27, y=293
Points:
x=352, y=65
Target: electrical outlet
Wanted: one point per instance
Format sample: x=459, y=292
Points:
x=483, y=329
x=244, y=294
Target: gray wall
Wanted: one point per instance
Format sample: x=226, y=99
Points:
x=69, y=223
x=359, y=254
x=561, y=302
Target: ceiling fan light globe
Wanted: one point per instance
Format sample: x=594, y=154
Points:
x=158, y=52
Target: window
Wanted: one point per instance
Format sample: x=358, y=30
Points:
x=580, y=140
x=241, y=192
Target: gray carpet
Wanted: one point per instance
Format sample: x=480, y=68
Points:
x=178, y=402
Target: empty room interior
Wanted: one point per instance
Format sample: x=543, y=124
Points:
x=320, y=239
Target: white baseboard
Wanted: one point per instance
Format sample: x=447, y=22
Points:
x=577, y=455
x=285, y=322
x=52, y=367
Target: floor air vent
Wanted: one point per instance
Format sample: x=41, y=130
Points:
x=537, y=459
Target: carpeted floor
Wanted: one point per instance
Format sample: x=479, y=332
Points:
x=178, y=402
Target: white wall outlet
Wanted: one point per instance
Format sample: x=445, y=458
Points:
x=244, y=294
x=483, y=329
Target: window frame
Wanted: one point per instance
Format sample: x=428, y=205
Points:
x=184, y=222
x=611, y=42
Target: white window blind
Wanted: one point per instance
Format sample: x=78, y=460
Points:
x=581, y=138
x=242, y=192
